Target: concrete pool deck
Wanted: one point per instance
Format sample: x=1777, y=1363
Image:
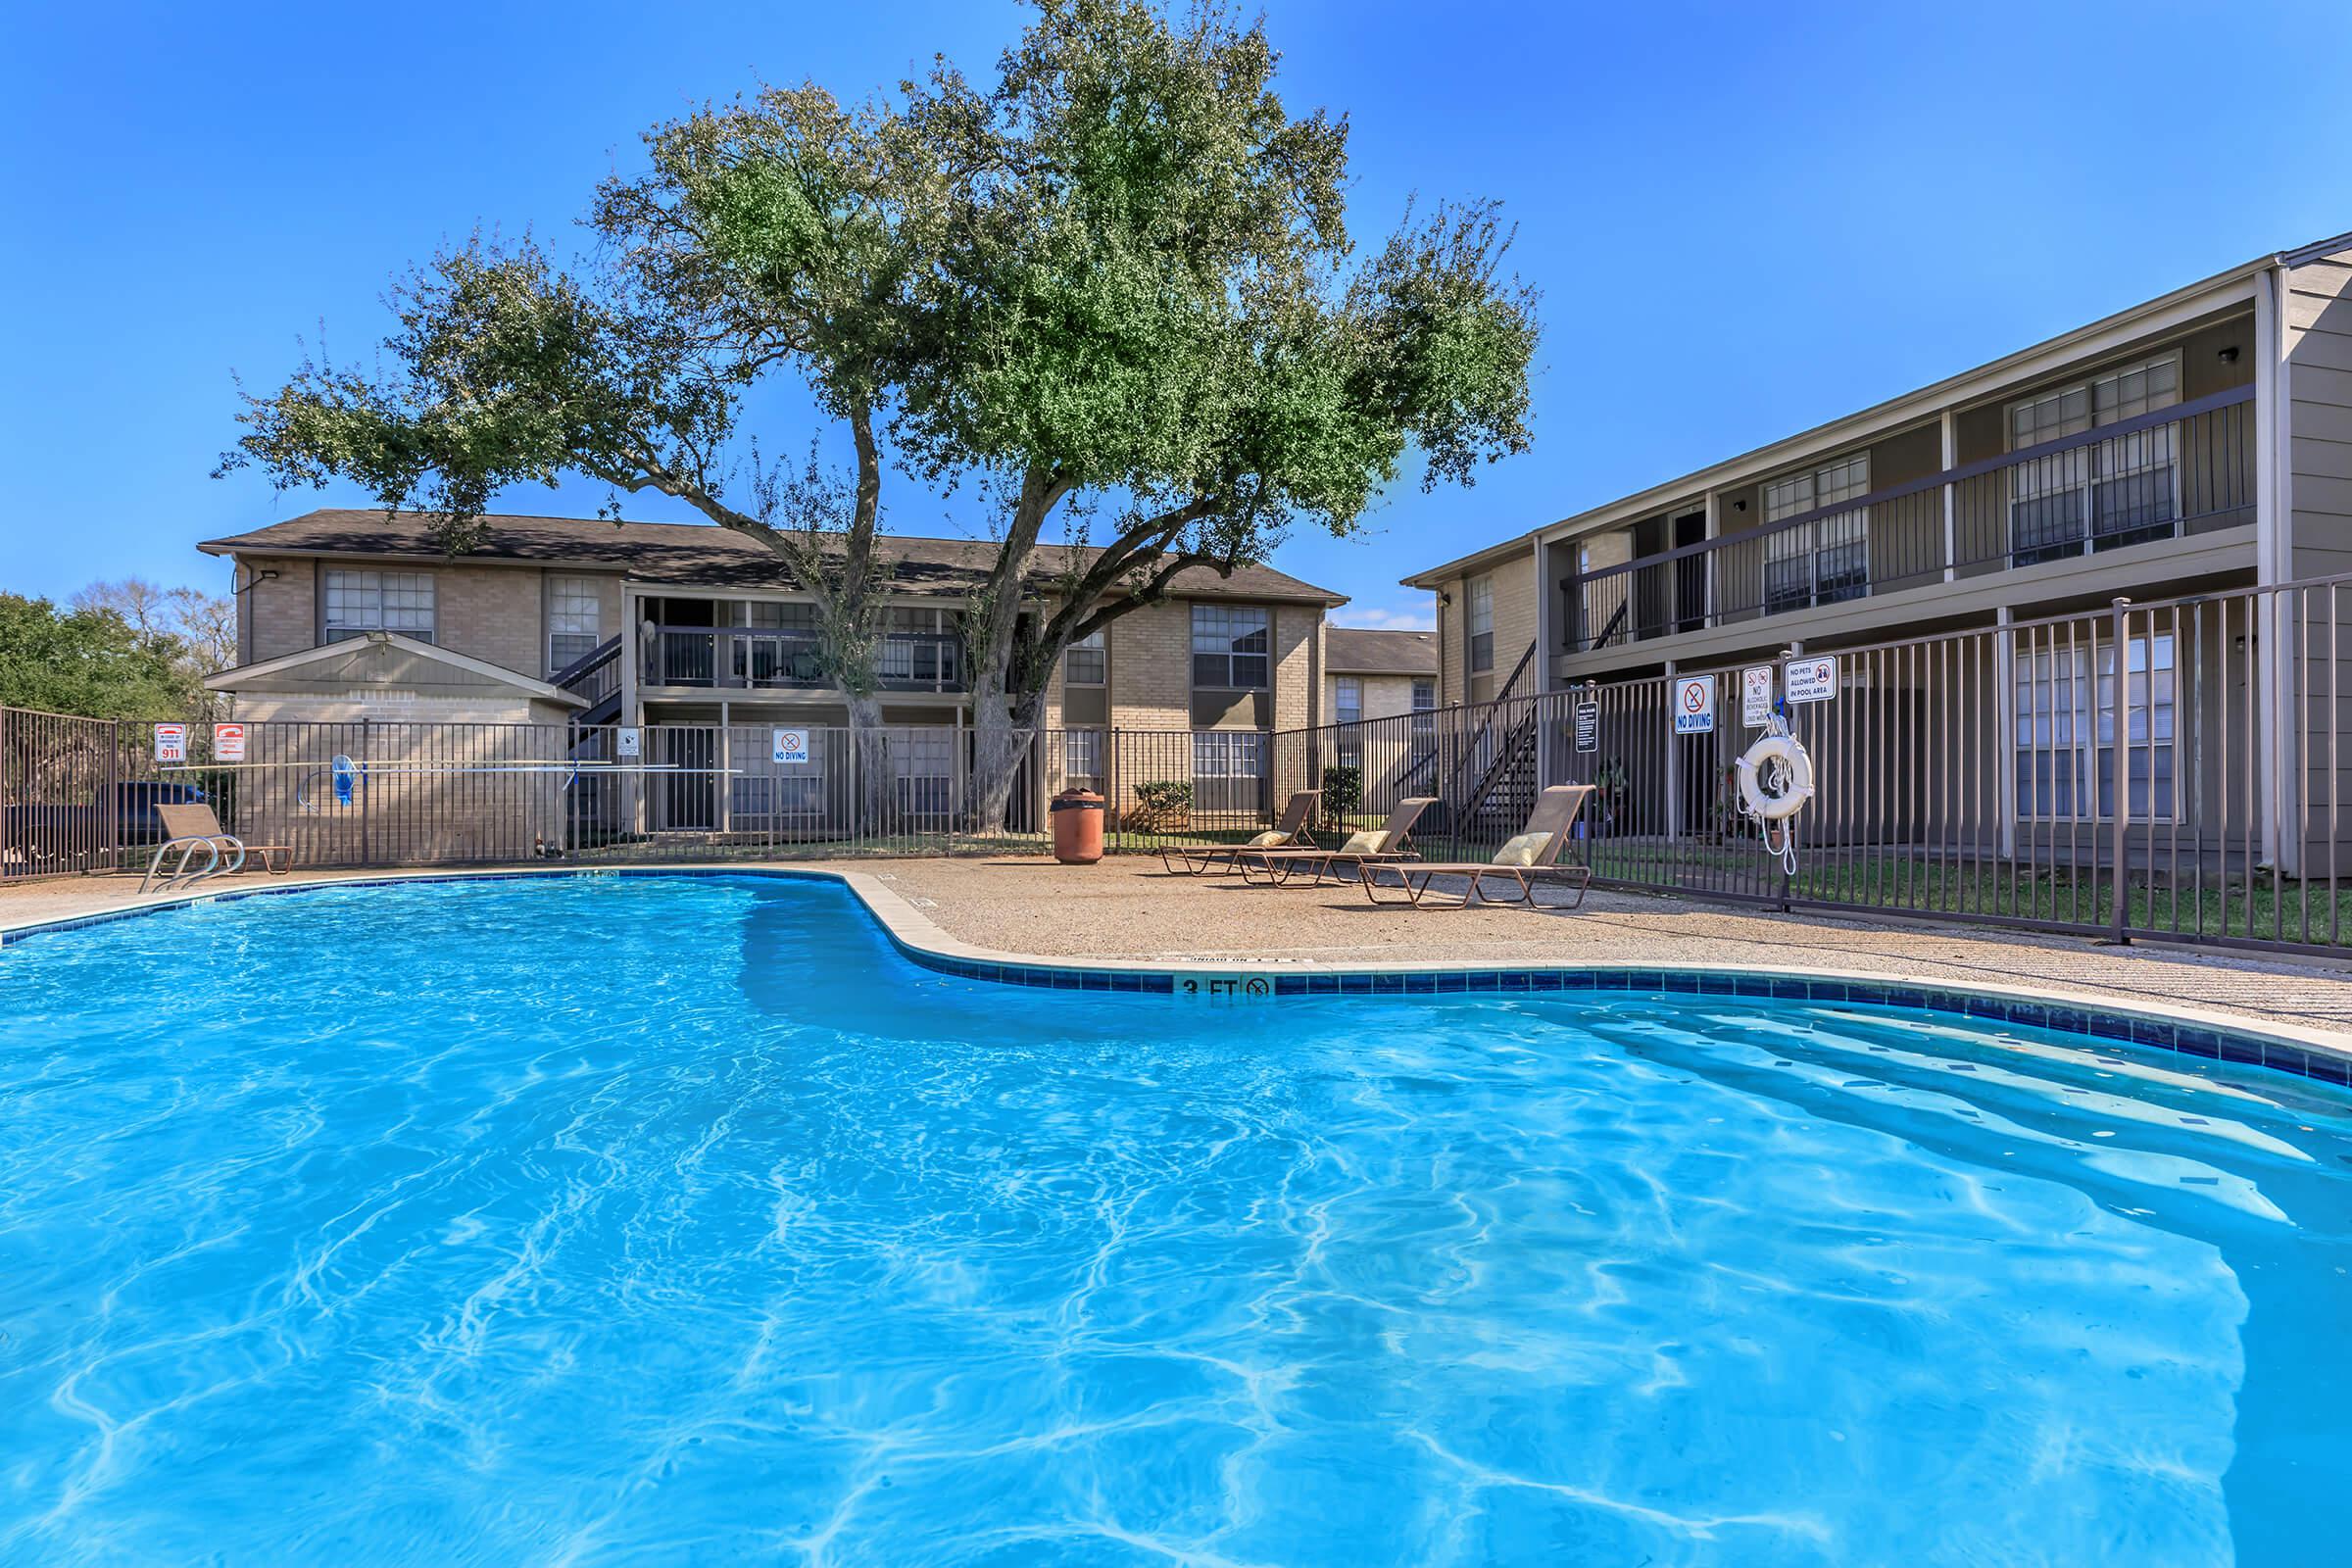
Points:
x=1127, y=911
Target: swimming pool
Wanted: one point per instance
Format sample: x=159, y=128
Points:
x=671, y=1219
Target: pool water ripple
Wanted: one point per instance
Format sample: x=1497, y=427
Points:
x=683, y=1220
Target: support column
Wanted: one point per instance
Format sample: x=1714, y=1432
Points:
x=723, y=780
x=1547, y=644
x=2005, y=710
x=1950, y=423
x=631, y=652
x=1673, y=764
x=2273, y=557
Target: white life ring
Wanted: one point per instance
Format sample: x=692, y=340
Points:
x=1798, y=772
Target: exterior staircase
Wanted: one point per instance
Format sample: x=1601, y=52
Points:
x=596, y=676
x=1489, y=783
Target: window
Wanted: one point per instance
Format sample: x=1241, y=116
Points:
x=1482, y=624
x=1232, y=648
x=1826, y=560
x=915, y=648
x=1086, y=664
x=1227, y=754
x=359, y=601
x=768, y=615
x=781, y=649
x=1348, y=707
x=1082, y=760
x=1425, y=708
x=922, y=761
x=2066, y=730
x=574, y=620
x=2115, y=492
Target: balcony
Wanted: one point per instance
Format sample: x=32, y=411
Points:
x=2177, y=471
x=744, y=658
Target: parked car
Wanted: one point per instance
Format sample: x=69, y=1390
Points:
x=39, y=836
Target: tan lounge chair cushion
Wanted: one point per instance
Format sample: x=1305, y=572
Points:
x=1269, y=838
x=1365, y=841
x=1523, y=850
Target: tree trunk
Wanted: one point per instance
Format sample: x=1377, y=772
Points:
x=870, y=793
x=1004, y=728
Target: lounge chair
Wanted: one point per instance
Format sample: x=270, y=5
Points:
x=193, y=827
x=1393, y=840
x=1289, y=832
x=1531, y=858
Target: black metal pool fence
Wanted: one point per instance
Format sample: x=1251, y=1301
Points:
x=2170, y=770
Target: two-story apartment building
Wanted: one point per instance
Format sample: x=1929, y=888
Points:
x=2200, y=439
x=691, y=632
x=1377, y=675
x=2199, y=442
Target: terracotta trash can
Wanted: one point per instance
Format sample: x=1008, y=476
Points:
x=1077, y=827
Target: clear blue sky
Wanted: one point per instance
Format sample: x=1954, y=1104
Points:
x=1744, y=219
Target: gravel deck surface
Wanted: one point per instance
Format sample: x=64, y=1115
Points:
x=1128, y=908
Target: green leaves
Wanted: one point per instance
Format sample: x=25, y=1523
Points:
x=90, y=661
x=1120, y=275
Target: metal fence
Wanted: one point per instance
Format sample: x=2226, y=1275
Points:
x=61, y=810
x=441, y=793
x=2174, y=769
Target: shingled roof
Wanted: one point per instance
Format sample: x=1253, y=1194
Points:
x=1353, y=651
x=687, y=554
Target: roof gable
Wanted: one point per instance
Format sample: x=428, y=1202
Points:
x=384, y=659
x=1363, y=650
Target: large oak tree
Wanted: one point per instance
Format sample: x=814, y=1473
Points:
x=1115, y=288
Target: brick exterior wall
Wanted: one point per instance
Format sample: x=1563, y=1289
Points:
x=1385, y=695
x=492, y=612
x=497, y=614
x=1514, y=630
x=277, y=616
x=1151, y=667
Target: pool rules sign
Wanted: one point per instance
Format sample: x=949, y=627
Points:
x=1694, y=705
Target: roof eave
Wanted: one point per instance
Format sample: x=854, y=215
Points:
x=1888, y=412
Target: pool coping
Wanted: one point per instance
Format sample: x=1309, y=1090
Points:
x=2184, y=1029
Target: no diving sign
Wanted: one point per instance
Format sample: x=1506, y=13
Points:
x=791, y=746
x=1694, y=705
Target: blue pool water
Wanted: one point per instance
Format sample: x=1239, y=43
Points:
x=682, y=1220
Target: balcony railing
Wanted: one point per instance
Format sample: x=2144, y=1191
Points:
x=2185, y=469
x=740, y=657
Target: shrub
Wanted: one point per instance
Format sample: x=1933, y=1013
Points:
x=1163, y=802
x=1343, y=791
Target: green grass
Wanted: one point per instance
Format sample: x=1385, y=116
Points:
x=2070, y=897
